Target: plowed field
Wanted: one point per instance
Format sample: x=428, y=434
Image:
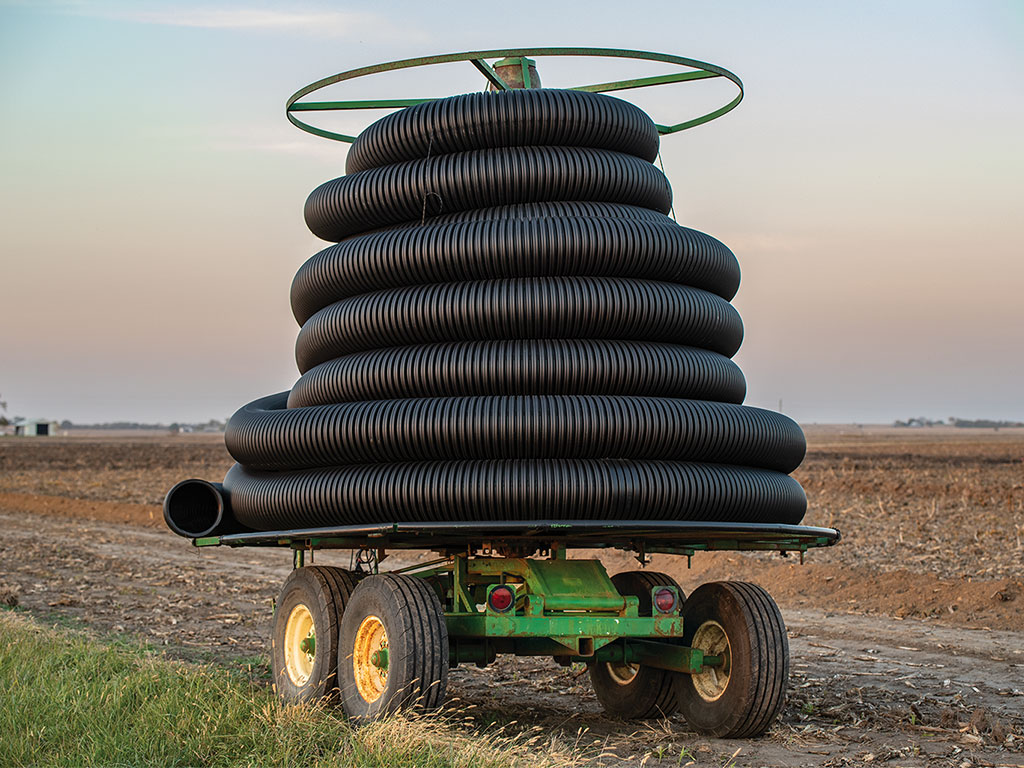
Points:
x=907, y=638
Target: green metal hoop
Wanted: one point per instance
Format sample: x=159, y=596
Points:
x=695, y=70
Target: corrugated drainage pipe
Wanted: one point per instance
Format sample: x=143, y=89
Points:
x=507, y=326
x=196, y=508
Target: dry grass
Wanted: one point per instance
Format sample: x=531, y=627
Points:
x=70, y=700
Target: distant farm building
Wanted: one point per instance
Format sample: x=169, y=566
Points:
x=35, y=427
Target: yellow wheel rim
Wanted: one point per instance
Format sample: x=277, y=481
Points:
x=371, y=679
x=299, y=645
x=622, y=673
x=712, y=682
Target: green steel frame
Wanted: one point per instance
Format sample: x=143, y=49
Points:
x=568, y=609
x=675, y=537
x=564, y=608
x=695, y=70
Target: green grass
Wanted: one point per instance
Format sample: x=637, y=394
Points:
x=67, y=699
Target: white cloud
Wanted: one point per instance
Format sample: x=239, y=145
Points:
x=319, y=23
x=350, y=25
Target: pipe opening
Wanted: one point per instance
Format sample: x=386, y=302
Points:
x=193, y=508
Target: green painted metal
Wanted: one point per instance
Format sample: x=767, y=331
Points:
x=461, y=599
x=677, y=658
x=379, y=658
x=644, y=82
x=648, y=652
x=567, y=629
x=424, y=569
x=324, y=106
x=696, y=70
x=308, y=645
x=570, y=605
x=397, y=536
x=562, y=585
x=493, y=77
x=525, y=64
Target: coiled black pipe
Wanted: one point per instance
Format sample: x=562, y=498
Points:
x=510, y=328
x=461, y=181
x=525, y=489
x=520, y=118
x=467, y=368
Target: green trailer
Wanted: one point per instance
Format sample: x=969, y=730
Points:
x=380, y=639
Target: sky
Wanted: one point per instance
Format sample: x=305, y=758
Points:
x=871, y=184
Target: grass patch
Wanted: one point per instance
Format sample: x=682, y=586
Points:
x=67, y=699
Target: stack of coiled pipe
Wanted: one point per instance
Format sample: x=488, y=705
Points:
x=509, y=327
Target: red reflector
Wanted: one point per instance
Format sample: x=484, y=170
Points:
x=501, y=598
x=664, y=600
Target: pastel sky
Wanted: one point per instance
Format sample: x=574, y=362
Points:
x=871, y=184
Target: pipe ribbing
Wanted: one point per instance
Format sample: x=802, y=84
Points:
x=509, y=327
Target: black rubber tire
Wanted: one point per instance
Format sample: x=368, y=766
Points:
x=417, y=636
x=758, y=663
x=419, y=189
x=520, y=117
x=324, y=592
x=652, y=692
x=344, y=581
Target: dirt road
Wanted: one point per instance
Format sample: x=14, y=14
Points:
x=864, y=689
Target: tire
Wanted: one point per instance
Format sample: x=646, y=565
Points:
x=345, y=582
x=310, y=604
x=636, y=692
x=741, y=622
x=403, y=615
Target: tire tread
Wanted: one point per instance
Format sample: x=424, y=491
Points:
x=664, y=701
x=422, y=667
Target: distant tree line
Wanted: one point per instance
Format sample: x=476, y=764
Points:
x=919, y=421
x=953, y=421
x=213, y=425
x=983, y=423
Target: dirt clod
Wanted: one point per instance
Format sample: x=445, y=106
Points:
x=998, y=733
x=8, y=596
x=979, y=721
